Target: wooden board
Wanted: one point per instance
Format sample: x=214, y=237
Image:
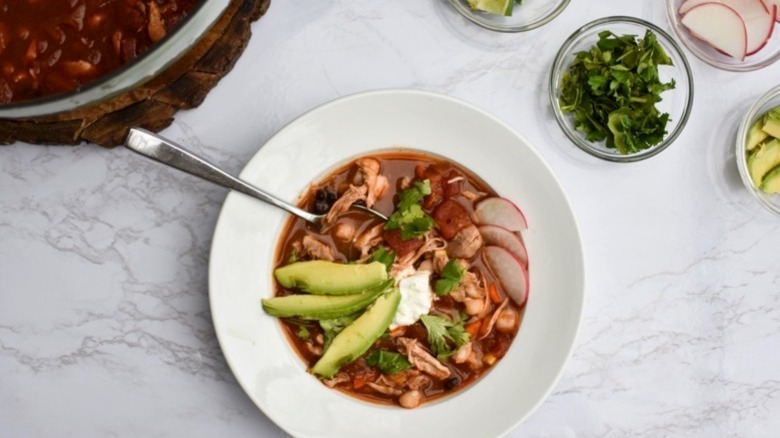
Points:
x=152, y=105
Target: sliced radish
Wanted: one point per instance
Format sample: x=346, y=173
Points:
x=720, y=26
x=776, y=4
x=502, y=213
x=493, y=235
x=759, y=19
x=510, y=273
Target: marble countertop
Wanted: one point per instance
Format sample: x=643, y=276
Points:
x=105, y=327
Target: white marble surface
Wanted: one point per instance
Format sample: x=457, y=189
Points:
x=104, y=321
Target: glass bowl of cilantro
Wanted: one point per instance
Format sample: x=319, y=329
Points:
x=621, y=89
x=510, y=15
x=759, y=51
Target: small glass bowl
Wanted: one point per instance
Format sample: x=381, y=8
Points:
x=768, y=55
x=526, y=16
x=766, y=102
x=677, y=102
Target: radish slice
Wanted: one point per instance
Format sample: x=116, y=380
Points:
x=720, y=26
x=759, y=19
x=493, y=235
x=501, y=213
x=776, y=4
x=510, y=273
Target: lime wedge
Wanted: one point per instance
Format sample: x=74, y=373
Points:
x=501, y=7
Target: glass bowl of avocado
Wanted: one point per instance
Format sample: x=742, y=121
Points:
x=758, y=150
x=621, y=89
x=510, y=15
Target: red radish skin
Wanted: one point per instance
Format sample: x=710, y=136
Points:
x=776, y=4
x=509, y=271
x=502, y=213
x=497, y=236
x=720, y=26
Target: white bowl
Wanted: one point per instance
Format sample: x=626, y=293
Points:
x=245, y=239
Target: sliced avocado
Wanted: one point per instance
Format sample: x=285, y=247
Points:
x=358, y=337
x=756, y=135
x=766, y=157
x=327, y=278
x=772, y=126
x=771, y=183
x=322, y=306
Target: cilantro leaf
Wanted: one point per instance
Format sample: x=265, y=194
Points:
x=383, y=256
x=451, y=276
x=388, y=362
x=409, y=216
x=442, y=331
x=612, y=89
x=303, y=332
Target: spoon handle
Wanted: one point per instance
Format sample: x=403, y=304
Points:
x=167, y=152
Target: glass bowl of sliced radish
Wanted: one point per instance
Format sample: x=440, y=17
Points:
x=758, y=150
x=510, y=15
x=734, y=35
x=675, y=103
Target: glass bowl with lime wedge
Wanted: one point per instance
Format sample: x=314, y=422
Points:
x=510, y=15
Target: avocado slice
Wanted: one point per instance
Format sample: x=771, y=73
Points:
x=764, y=159
x=322, y=306
x=358, y=337
x=771, y=183
x=772, y=127
x=756, y=134
x=328, y=278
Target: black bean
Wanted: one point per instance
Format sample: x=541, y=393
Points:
x=323, y=200
x=451, y=383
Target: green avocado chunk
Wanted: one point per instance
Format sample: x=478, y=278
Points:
x=771, y=183
x=764, y=159
x=756, y=134
x=358, y=337
x=320, y=277
x=772, y=122
x=322, y=306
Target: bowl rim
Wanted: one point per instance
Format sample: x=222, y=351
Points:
x=671, y=15
x=161, y=56
x=479, y=21
x=750, y=117
x=571, y=133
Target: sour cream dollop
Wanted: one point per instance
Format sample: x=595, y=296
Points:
x=416, y=299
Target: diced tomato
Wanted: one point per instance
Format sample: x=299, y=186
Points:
x=473, y=328
x=400, y=246
x=451, y=217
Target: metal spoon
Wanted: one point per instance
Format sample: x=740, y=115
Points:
x=167, y=152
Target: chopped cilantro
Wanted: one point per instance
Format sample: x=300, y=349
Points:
x=451, y=276
x=383, y=256
x=303, y=332
x=332, y=327
x=612, y=90
x=442, y=331
x=388, y=362
x=409, y=216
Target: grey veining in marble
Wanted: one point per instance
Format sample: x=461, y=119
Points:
x=104, y=319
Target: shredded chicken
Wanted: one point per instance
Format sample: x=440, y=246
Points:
x=422, y=359
x=493, y=319
x=404, y=183
x=465, y=244
x=430, y=244
x=369, y=239
x=316, y=249
x=507, y=320
x=313, y=348
x=336, y=380
x=382, y=389
x=440, y=259
x=463, y=353
x=375, y=183
x=351, y=196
